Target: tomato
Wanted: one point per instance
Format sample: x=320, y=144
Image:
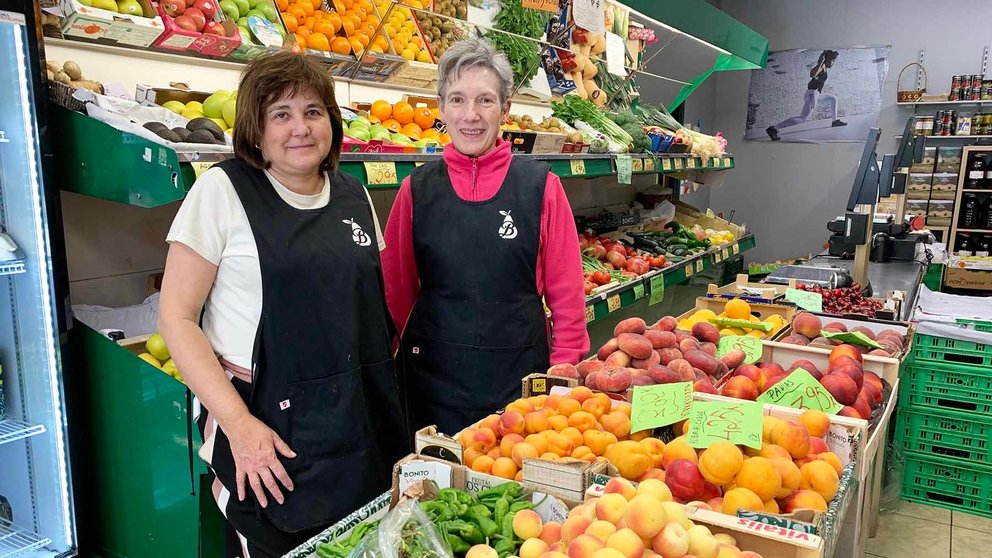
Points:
x=589, y=286
x=583, y=243
x=629, y=275
x=617, y=259
x=600, y=278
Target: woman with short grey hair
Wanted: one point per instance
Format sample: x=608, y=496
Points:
x=474, y=242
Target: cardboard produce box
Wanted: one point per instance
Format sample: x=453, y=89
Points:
x=751, y=292
x=151, y=96
x=538, y=143
x=960, y=278
x=104, y=26
x=177, y=38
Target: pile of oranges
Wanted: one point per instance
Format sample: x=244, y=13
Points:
x=402, y=31
x=317, y=29
x=402, y=117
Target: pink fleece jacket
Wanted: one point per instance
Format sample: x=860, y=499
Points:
x=559, y=266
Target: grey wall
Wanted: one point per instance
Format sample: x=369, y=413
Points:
x=786, y=192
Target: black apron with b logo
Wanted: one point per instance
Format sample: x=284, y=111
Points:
x=478, y=326
x=324, y=376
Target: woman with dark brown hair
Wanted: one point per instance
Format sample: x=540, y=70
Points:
x=273, y=308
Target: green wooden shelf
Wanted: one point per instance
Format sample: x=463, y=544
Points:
x=98, y=160
x=608, y=302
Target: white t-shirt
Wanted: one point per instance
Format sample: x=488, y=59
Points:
x=214, y=224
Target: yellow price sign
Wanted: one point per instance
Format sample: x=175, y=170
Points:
x=737, y=249
x=726, y=161
x=578, y=167
x=699, y=265
x=649, y=164
x=688, y=270
x=381, y=172
x=692, y=163
x=613, y=303
x=637, y=165
x=590, y=313
x=679, y=164
x=666, y=164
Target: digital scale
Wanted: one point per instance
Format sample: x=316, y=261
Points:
x=821, y=276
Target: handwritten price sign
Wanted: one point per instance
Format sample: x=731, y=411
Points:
x=805, y=300
x=750, y=345
x=661, y=405
x=381, y=173
x=854, y=337
x=721, y=421
x=800, y=390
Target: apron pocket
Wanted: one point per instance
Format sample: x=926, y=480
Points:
x=327, y=416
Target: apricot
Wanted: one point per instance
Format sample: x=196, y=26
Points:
x=527, y=524
x=760, y=476
x=491, y=422
x=645, y=517
x=702, y=543
x=789, y=473
x=483, y=464
x=678, y=448
x=601, y=529
x=820, y=477
x=804, y=500
x=630, y=458
x=507, y=443
x=627, y=542
x=652, y=473
x=721, y=462
x=522, y=406
x=656, y=449
x=831, y=458
x=469, y=455
x=551, y=532
x=793, y=437
x=536, y=421
x=557, y=553
x=771, y=451
x=495, y=453
x=616, y=423
x=479, y=439
x=741, y=499
x=538, y=442
x=522, y=451
x=817, y=446
x=558, y=422
x=532, y=548
x=481, y=551
x=608, y=553
x=654, y=488
x=512, y=422
x=620, y=486
x=569, y=405
x=582, y=421
x=504, y=467
x=817, y=422
x=560, y=444
x=671, y=542
x=584, y=546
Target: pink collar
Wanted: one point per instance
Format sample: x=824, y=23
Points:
x=478, y=178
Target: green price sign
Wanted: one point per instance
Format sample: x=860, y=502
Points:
x=657, y=289
x=853, y=337
x=638, y=291
x=805, y=300
x=750, y=345
x=800, y=390
x=743, y=324
x=723, y=421
x=661, y=405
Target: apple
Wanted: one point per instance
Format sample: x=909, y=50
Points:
x=186, y=23
x=174, y=8
x=197, y=16
x=208, y=8
x=214, y=28
x=130, y=7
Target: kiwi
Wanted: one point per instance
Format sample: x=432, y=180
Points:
x=183, y=133
x=204, y=123
x=202, y=136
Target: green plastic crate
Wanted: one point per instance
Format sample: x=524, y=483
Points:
x=933, y=277
x=947, y=387
x=978, y=325
x=944, y=350
x=945, y=434
x=943, y=483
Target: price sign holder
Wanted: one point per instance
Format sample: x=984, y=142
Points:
x=692, y=163
x=660, y=405
x=737, y=422
x=688, y=269
x=805, y=300
x=699, y=265
x=637, y=165
x=666, y=164
x=736, y=249
x=578, y=167
x=381, y=172
x=613, y=303
x=679, y=164
x=649, y=164
x=800, y=390
x=590, y=313
x=657, y=289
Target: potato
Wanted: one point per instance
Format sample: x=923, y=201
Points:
x=630, y=325
x=635, y=345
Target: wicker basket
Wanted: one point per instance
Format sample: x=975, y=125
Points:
x=61, y=95
x=911, y=95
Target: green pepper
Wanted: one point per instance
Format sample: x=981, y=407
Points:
x=520, y=506
x=465, y=530
x=501, y=508
x=511, y=488
x=480, y=516
x=324, y=552
x=505, y=547
x=506, y=527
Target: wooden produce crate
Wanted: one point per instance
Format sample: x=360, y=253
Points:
x=907, y=329
x=759, y=309
x=751, y=292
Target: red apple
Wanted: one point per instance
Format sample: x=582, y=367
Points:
x=186, y=23
x=214, y=28
x=174, y=8
x=208, y=8
x=197, y=16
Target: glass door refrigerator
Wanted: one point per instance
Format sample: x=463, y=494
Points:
x=36, y=509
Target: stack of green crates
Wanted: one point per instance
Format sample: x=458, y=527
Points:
x=945, y=422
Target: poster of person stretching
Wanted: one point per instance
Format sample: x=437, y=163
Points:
x=817, y=95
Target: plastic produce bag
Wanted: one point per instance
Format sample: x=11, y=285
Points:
x=405, y=532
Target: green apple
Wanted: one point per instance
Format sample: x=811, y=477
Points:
x=229, y=112
x=175, y=106
x=213, y=106
x=379, y=132
x=243, y=22
x=360, y=133
x=359, y=124
x=400, y=138
x=255, y=12
x=230, y=9
x=268, y=11
x=363, y=120
x=234, y=94
x=243, y=6
x=245, y=34
x=130, y=7
x=254, y=3
x=425, y=142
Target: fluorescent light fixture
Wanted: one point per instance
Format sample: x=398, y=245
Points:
x=674, y=30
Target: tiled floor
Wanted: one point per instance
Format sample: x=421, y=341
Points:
x=916, y=531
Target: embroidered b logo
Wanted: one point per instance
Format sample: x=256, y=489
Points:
x=357, y=234
x=507, y=230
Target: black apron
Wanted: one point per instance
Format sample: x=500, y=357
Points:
x=478, y=326
x=323, y=375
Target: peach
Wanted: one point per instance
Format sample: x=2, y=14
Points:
x=771, y=368
x=757, y=375
x=704, y=386
x=872, y=378
x=683, y=369
x=535, y=422
x=678, y=448
x=816, y=422
x=672, y=541
x=512, y=422
x=617, y=424
x=741, y=499
x=676, y=514
x=831, y=458
x=768, y=424
x=615, y=380
x=749, y=554
x=776, y=378
x=652, y=473
x=630, y=325
x=702, y=544
x=817, y=445
x=538, y=442
x=850, y=412
x=584, y=546
x=805, y=365
x=610, y=553
x=796, y=339
x=871, y=393
x=842, y=387
x=668, y=323
x=820, y=477
x=733, y=358
x=668, y=355
x=706, y=332
x=699, y=505
x=644, y=516
x=789, y=473
x=850, y=369
x=527, y=524
x=701, y=360
x=621, y=486
x=479, y=439
x=662, y=374
x=504, y=467
x=550, y=532
x=863, y=407
x=845, y=350
x=532, y=548
x=804, y=500
x=654, y=488
x=720, y=462
x=628, y=542
x=661, y=339
x=740, y=387
x=760, y=476
x=641, y=380
x=611, y=507
x=835, y=326
x=807, y=324
x=684, y=480
x=608, y=349
x=564, y=370
x=481, y=551
x=555, y=551
x=644, y=363
x=507, y=443
x=635, y=345
x=587, y=510
x=618, y=359
x=587, y=367
x=771, y=506
x=727, y=551
x=687, y=344
x=630, y=458
x=793, y=437
x=601, y=529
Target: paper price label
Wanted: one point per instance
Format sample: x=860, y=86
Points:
x=679, y=164
x=590, y=313
x=623, y=169
x=616, y=52
x=649, y=164
x=418, y=164
x=805, y=300
x=716, y=257
x=725, y=253
x=381, y=172
x=661, y=405
x=543, y=5
x=750, y=345
x=721, y=421
x=699, y=265
x=638, y=291
x=578, y=167
x=588, y=14
x=800, y=390
x=637, y=165
x=726, y=162
x=692, y=163
x=853, y=337
x=736, y=249
x=613, y=303
x=666, y=164
x=657, y=289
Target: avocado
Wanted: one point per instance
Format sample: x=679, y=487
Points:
x=162, y=131
x=204, y=123
x=202, y=136
x=183, y=133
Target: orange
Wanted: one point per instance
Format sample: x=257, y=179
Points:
x=374, y=120
x=392, y=125
x=430, y=133
x=423, y=117
x=325, y=27
x=381, y=110
x=290, y=21
x=368, y=28
x=356, y=45
x=372, y=19
x=307, y=8
x=445, y=138
x=298, y=12
x=304, y=31
x=311, y=22
x=411, y=130
x=317, y=4
x=363, y=37
x=340, y=45
x=398, y=45
x=365, y=5
x=376, y=48
x=347, y=4
x=300, y=40
x=348, y=26
x=381, y=42
x=335, y=19
x=361, y=12
x=403, y=112
x=282, y=5
x=319, y=41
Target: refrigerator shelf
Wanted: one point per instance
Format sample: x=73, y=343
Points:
x=12, y=267
x=14, y=540
x=11, y=430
